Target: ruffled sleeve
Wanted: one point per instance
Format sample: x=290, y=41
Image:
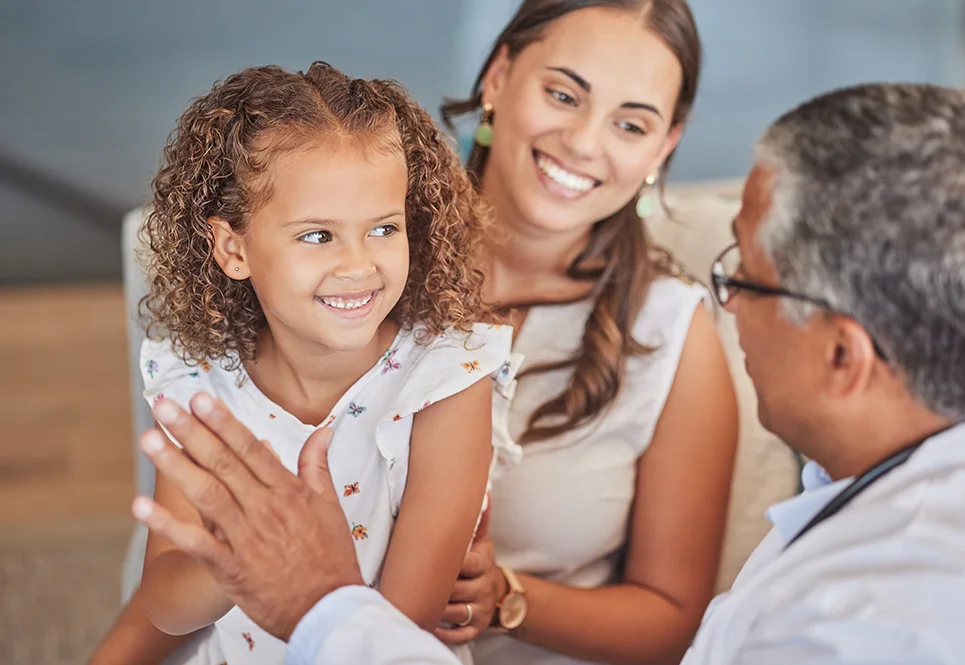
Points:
x=444, y=367
x=451, y=363
x=165, y=374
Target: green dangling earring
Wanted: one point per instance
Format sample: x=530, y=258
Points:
x=645, y=201
x=484, y=132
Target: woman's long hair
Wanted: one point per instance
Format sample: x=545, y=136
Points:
x=619, y=260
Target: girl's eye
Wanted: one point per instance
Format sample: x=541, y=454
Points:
x=385, y=230
x=561, y=97
x=317, y=237
x=632, y=128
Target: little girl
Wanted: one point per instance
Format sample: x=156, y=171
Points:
x=313, y=263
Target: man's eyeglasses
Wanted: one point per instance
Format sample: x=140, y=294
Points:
x=726, y=286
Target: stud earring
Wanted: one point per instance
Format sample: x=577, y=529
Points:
x=484, y=132
x=645, y=200
x=237, y=268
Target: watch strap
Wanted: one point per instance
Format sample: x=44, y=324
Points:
x=515, y=586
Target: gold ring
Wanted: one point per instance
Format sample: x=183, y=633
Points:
x=468, y=619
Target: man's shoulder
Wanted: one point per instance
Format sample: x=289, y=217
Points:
x=822, y=600
x=896, y=550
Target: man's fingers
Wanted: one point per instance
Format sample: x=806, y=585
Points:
x=213, y=529
x=206, y=448
x=259, y=459
x=187, y=537
x=454, y=636
x=313, y=462
x=204, y=491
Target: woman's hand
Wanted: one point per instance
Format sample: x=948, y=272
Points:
x=480, y=586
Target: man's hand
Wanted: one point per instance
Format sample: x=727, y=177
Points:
x=282, y=541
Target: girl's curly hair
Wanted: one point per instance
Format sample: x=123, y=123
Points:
x=215, y=165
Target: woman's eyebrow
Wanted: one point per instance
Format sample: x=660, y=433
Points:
x=583, y=83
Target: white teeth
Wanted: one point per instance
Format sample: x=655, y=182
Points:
x=563, y=177
x=341, y=303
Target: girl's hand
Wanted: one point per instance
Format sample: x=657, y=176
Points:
x=480, y=586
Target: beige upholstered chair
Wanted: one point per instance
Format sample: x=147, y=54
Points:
x=767, y=471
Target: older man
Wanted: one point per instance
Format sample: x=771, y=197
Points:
x=848, y=285
x=847, y=281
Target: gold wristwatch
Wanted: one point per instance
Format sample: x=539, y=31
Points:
x=511, y=610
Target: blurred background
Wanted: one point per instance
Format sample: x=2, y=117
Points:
x=88, y=93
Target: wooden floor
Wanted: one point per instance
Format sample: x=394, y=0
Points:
x=65, y=425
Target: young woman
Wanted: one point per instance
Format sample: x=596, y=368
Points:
x=605, y=539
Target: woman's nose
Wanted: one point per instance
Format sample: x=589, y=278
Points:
x=583, y=137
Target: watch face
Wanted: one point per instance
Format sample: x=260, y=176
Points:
x=513, y=611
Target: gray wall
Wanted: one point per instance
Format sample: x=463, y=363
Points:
x=765, y=56
x=89, y=90
x=762, y=57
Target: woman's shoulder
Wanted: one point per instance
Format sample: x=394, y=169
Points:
x=664, y=325
x=669, y=309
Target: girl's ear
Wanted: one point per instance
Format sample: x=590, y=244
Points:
x=229, y=250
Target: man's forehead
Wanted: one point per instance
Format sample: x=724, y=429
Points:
x=755, y=201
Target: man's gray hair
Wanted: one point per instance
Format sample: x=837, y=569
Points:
x=868, y=214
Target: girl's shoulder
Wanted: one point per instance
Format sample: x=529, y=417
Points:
x=425, y=368
x=166, y=373
x=422, y=369
x=486, y=342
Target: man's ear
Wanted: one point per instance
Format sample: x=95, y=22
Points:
x=851, y=357
x=229, y=250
